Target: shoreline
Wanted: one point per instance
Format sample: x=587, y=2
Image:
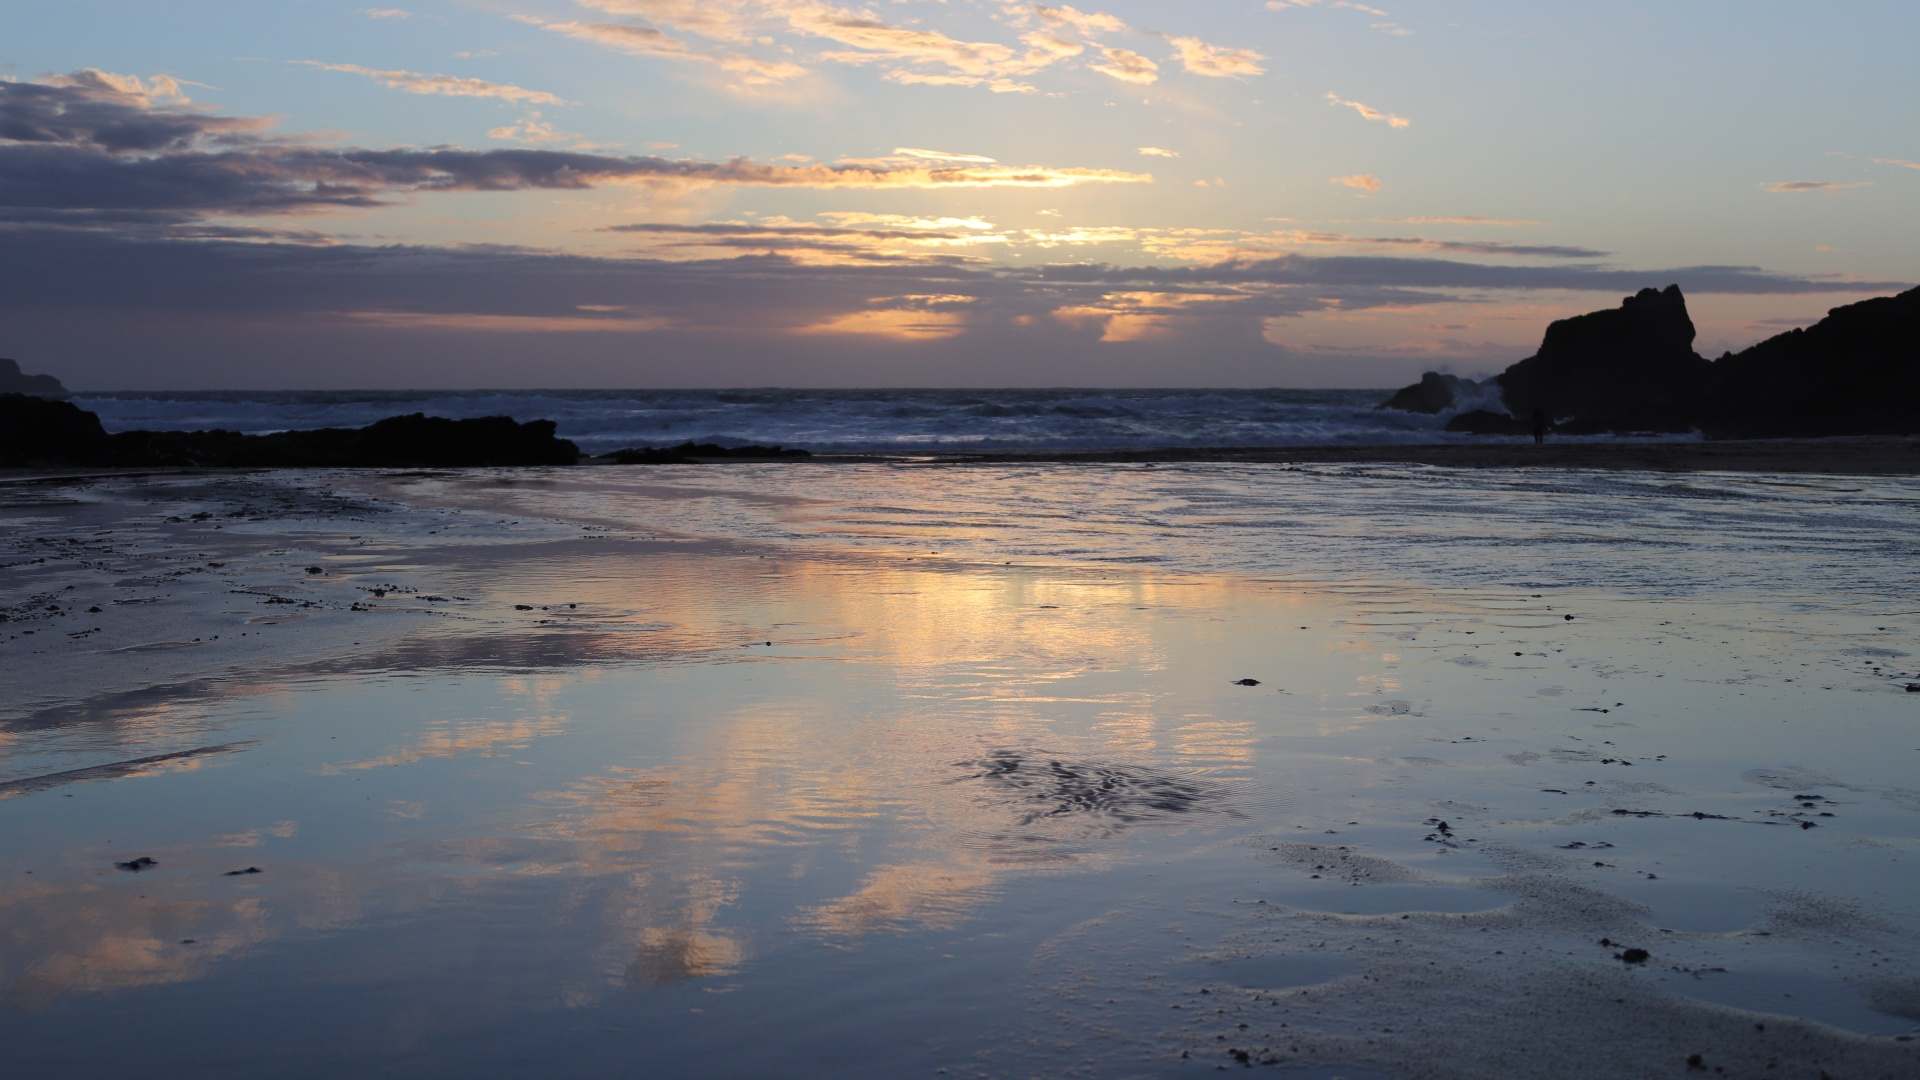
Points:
x=1871, y=455
x=1862, y=455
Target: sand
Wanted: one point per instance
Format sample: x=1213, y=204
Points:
x=1862, y=456
x=783, y=769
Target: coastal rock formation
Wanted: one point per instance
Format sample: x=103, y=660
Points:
x=1855, y=372
x=1633, y=368
x=1436, y=392
x=35, y=431
x=15, y=381
x=1629, y=369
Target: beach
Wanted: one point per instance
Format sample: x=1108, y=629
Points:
x=1340, y=762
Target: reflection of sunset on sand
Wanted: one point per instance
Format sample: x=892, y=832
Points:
x=792, y=761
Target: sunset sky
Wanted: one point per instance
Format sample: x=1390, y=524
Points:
x=635, y=193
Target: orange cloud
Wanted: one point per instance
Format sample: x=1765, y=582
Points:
x=899, y=324
x=414, y=82
x=1216, y=61
x=751, y=71
x=1127, y=66
x=1368, y=112
x=1364, y=182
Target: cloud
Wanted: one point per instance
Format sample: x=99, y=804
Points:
x=1798, y=187
x=1216, y=61
x=1393, y=272
x=718, y=20
x=1369, y=112
x=922, y=78
x=83, y=145
x=131, y=309
x=784, y=230
x=1083, y=22
x=1126, y=65
x=1158, y=151
x=751, y=72
x=1898, y=163
x=1469, y=219
x=941, y=155
x=877, y=40
x=112, y=113
x=1232, y=245
x=534, y=129
x=386, y=13
x=414, y=82
x=1364, y=182
x=897, y=323
x=1382, y=22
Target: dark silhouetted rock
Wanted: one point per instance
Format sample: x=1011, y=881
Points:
x=38, y=430
x=15, y=381
x=1486, y=422
x=1632, y=368
x=690, y=453
x=1434, y=393
x=1855, y=372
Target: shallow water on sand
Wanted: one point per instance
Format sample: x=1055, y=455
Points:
x=620, y=797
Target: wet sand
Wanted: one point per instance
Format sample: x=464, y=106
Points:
x=777, y=770
x=1860, y=456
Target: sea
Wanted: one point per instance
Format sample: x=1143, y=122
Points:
x=855, y=421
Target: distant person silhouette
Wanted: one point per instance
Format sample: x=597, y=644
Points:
x=1539, y=427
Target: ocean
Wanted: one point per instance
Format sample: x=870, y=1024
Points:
x=884, y=421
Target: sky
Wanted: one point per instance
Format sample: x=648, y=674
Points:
x=683, y=193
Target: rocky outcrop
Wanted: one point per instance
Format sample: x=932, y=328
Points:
x=15, y=381
x=1855, y=372
x=1629, y=369
x=37, y=430
x=1434, y=393
x=1633, y=368
x=34, y=431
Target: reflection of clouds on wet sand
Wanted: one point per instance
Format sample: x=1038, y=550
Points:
x=57, y=940
x=922, y=895
x=453, y=738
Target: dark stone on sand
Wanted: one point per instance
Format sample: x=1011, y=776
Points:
x=1635, y=956
x=1246, y=682
x=15, y=381
x=1435, y=392
x=1913, y=688
x=137, y=865
x=35, y=431
x=243, y=873
x=692, y=453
